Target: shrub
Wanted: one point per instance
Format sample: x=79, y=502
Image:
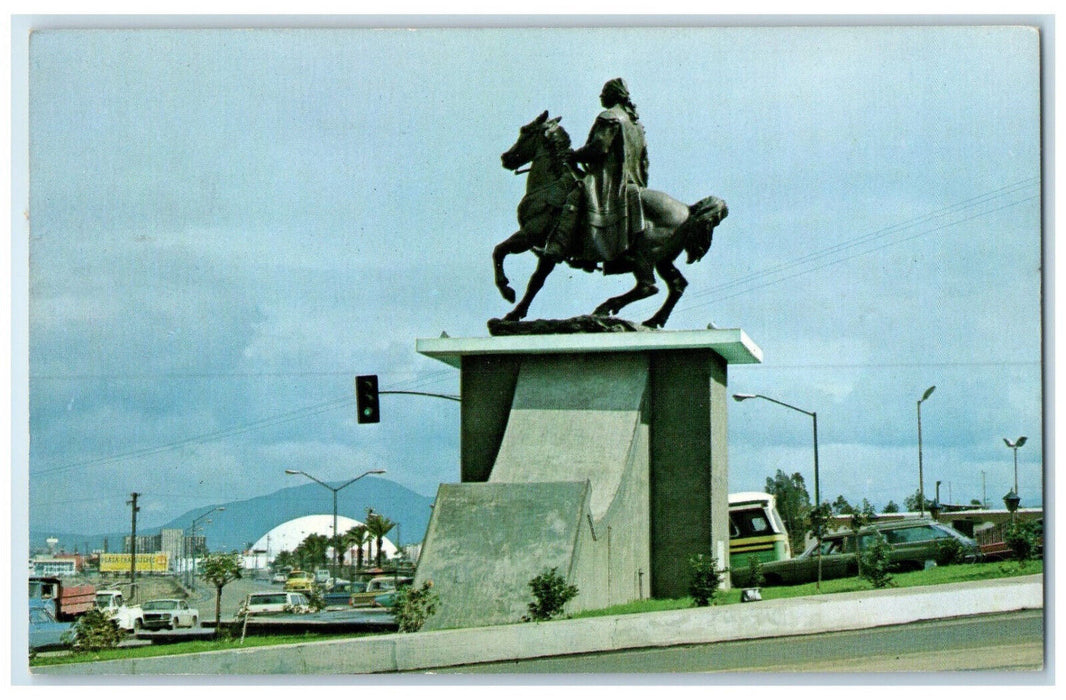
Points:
x=93, y=631
x=315, y=600
x=550, y=593
x=755, y=577
x=1022, y=541
x=874, y=562
x=706, y=578
x=949, y=551
x=415, y=605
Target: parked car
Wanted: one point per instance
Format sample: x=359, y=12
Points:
x=302, y=581
x=385, y=600
x=321, y=576
x=45, y=631
x=377, y=586
x=342, y=593
x=168, y=613
x=279, y=577
x=275, y=602
x=913, y=543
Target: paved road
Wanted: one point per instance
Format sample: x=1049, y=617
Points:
x=1008, y=642
x=232, y=595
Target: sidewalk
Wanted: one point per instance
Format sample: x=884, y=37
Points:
x=393, y=653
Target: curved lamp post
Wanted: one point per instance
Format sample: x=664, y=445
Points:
x=1012, y=502
x=192, y=533
x=817, y=490
x=1014, y=446
x=334, y=489
x=921, y=479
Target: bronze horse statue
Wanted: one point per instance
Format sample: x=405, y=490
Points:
x=672, y=226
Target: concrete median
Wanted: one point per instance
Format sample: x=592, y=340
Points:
x=394, y=653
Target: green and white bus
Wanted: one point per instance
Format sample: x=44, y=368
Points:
x=755, y=528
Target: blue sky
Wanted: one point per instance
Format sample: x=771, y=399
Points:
x=227, y=226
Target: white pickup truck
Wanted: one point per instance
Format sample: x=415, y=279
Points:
x=128, y=617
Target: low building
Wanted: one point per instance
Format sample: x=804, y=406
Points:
x=58, y=566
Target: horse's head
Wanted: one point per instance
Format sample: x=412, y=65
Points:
x=540, y=131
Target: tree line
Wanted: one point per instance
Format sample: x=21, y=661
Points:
x=800, y=515
x=312, y=552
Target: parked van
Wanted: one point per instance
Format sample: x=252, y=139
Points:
x=274, y=602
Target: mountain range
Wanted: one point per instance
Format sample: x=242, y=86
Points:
x=241, y=523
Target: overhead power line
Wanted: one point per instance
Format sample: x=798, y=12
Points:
x=959, y=213
x=268, y=422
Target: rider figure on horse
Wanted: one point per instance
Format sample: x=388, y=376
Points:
x=615, y=160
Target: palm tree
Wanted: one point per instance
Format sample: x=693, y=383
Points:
x=312, y=551
x=378, y=526
x=356, y=537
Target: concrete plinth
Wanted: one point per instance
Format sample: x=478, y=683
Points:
x=623, y=436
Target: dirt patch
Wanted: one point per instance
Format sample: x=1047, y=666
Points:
x=148, y=587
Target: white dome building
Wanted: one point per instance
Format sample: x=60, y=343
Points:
x=288, y=535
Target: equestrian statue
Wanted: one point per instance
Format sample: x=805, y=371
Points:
x=591, y=209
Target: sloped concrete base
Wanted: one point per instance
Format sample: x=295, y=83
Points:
x=486, y=541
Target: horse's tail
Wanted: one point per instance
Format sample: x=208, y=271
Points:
x=698, y=228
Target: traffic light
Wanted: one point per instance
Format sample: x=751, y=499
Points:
x=366, y=398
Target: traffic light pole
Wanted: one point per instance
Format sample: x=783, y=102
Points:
x=367, y=393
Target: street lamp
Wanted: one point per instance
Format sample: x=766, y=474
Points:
x=1014, y=446
x=934, y=507
x=334, y=489
x=817, y=489
x=921, y=479
x=190, y=573
x=1012, y=501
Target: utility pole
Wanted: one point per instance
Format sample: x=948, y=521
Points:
x=133, y=543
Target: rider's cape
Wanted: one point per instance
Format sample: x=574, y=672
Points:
x=612, y=186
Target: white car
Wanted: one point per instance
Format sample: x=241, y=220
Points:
x=169, y=613
x=273, y=602
x=128, y=617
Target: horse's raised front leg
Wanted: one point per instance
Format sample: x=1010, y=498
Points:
x=517, y=242
x=675, y=283
x=644, y=288
x=536, y=281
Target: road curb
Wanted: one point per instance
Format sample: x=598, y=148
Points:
x=392, y=653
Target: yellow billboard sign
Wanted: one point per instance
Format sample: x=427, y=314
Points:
x=156, y=562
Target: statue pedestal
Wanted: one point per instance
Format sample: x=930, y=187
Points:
x=602, y=455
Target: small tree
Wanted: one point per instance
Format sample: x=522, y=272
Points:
x=219, y=569
x=862, y=515
x=415, y=605
x=874, y=562
x=93, y=631
x=891, y=507
x=550, y=593
x=755, y=577
x=818, y=517
x=706, y=578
